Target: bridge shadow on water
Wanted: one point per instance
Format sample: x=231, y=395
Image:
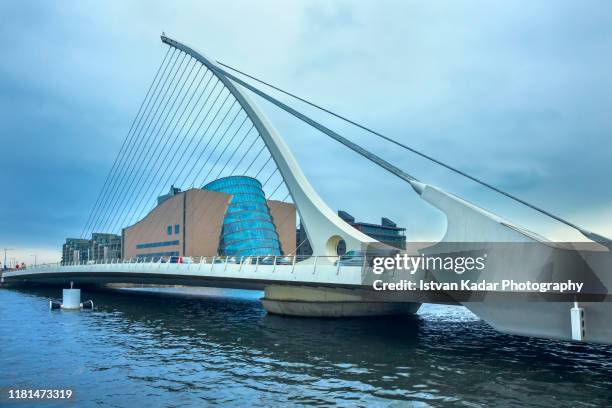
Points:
x=443, y=354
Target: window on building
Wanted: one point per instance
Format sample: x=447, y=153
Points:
x=169, y=229
x=157, y=244
x=176, y=229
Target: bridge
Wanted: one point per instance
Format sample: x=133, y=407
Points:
x=200, y=113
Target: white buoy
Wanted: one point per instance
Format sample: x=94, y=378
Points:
x=71, y=299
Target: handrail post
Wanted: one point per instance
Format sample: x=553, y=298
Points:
x=363, y=267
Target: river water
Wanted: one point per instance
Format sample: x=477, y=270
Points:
x=201, y=347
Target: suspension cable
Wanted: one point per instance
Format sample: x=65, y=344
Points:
x=123, y=145
x=358, y=149
x=120, y=172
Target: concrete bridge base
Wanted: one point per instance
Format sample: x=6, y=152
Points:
x=323, y=302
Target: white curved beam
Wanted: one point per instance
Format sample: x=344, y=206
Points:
x=322, y=224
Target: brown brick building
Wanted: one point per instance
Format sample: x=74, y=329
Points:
x=191, y=223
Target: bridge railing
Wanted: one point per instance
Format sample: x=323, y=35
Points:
x=338, y=261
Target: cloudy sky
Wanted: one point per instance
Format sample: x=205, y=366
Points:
x=516, y=93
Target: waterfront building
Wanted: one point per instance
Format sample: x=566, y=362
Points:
x=105, y=246
x=75, y=250
x=386, y=232
x=229, y=216
x=101, y=247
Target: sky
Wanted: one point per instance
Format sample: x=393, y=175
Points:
x=517, y=93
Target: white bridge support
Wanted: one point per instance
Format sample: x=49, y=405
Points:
x=516, y=253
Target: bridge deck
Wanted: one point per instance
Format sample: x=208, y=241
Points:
x=313, y=272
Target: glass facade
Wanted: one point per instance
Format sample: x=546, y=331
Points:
x=248, y=229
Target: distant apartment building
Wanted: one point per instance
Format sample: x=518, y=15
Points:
x=386, y=232
x=101, y=246
x=105, y=246
x=75, y=250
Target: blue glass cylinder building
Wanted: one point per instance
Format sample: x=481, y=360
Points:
x=248, y=229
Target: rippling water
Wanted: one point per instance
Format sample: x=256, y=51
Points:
x=224, y=349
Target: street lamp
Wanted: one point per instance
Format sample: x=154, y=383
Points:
x=34, y=255
x=6, y=249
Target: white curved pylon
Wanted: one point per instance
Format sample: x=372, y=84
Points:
x=324, y=227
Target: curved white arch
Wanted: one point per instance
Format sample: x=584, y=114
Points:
x=320, y=221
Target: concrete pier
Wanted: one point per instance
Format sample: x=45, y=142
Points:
x=323, y=302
